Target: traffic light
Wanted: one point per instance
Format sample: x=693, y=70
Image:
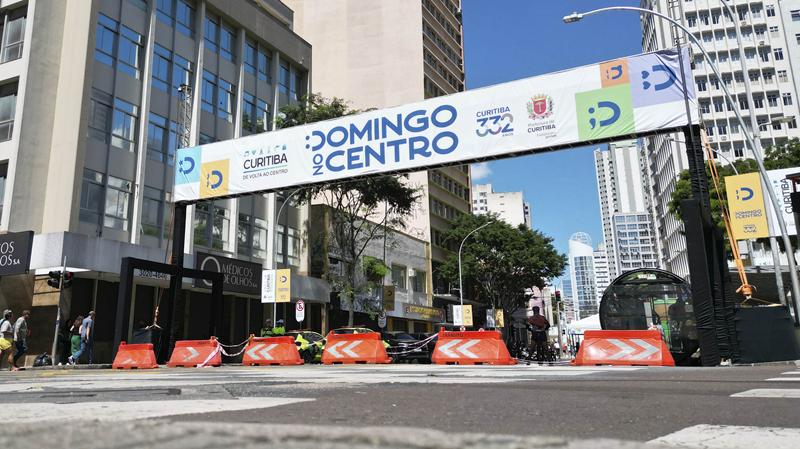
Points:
x=558, y=296
x=68, y=277
x=55, y=277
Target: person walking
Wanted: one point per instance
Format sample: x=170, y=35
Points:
x=20, y=335
x=75, y=336
x=7, y=339
x=87, y=339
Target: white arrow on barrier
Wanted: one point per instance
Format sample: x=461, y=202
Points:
x=650, y=349
x=463, y=349
x=127, y=361
x=194, y=354
x=625, y=349
x=349, y=349
x=252, y=352
x=332, y=350
x=445, y=348
x=265, y=352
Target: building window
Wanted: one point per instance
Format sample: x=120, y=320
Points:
x=118, y=196
x=8, y=106
x=91, y=206
x=783, y=76
x=151, y=211
x=157, y=137
x=259, y=239
x=123, y=129
x=702, y=85
x=184, y=19
x=161, y=64
x=691, y=21
x=14, y=34
x=743, y=104
x=718, y=106
x=768, y=77
x=99, y=115
x=293, y=240
x=419, y=283
x=250, y=58
x=225, y=100
x=211, y=226
x=787, y=99
x=296, y=87
x=263, y=117
x=704, y=19
x=705, y=108
x=770, y=11
x=3, y=176
x=283, y=80
x=130, y=51
x=772, y=100
x=181, y=74
x=248, y=112
x=105, y=40
x=795, y=16
x=778, y=52
x=756, y=12
x=399, y=276
x=764, y=54
x=774, y=33
x=212, y=33
x=265, y=66
x=722, y=129
x=227, y=42
x=207, y=94
x=734, y=128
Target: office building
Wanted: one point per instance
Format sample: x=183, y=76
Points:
x=582, y=275
x=602, y=276
x=90, y=99
x=388, y=53
x=767, y=49
x=508, y=206
x=622, y=185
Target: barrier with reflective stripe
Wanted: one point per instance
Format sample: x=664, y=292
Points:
x=471, y=348
x=197, y=353
x=271, y=351
x=135, y=357
x=354, y=348
x=624, y=348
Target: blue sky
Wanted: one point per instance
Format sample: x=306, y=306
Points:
x=506, y=40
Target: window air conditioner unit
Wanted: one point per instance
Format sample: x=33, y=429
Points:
x=710, y=139
x=762, y=43
x=744, y=23
x=724, y=138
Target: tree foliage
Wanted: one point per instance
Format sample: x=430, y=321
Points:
x=784, y=154
x=500, y=261
x=359, y=211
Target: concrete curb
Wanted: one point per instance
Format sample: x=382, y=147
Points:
x=69, y=367
x=782, y=363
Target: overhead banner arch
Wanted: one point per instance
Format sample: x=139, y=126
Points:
x=625, y=98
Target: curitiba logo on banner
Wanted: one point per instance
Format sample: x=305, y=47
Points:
x=625, y=97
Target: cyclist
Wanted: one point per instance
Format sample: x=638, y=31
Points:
x=538, y=327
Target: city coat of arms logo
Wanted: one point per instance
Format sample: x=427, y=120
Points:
x=540, y=107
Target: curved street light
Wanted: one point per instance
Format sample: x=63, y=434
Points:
x=275, y=251
x=460, y=286
x=764, y=178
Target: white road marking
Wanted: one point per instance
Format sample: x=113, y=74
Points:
x=125, y=411
x=732, y=437
x=650, y=349
x=625, y=349
x=769, y=393
x=790, y=379
x=791, y=373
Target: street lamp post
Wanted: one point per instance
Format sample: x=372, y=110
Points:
x=275, y=248
x=460, y=285
x=759, y=160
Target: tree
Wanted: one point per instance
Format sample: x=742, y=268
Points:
x=784, y=154
x=357, y=212
x=500, y=260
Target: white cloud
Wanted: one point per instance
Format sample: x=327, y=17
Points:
x=480, y=171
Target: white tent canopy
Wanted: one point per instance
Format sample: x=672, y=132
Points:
x=589, y=323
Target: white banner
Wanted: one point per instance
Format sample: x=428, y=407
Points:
x=783, y=188
x=269, y=283
x=625, y=97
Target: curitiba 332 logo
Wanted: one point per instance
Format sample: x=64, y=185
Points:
x=495, y=121
x=540, y=107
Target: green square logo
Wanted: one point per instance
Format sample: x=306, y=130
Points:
x=605, y=112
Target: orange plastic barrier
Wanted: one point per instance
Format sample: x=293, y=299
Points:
x=471, y=348
x=354, y=348
x=195, y=353
x=271, y=351
x=624, y=348
x=135, y=357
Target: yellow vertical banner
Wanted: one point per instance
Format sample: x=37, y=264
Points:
x=284, y=289
x=746, y=204
x=388, y=298
x=467, y=313
x=498, y=318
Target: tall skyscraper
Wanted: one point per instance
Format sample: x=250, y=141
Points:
x=509, y=206
x=388, y=53
x=602, y=276
x=767, y=47
x=582, y=275
x=622, y=188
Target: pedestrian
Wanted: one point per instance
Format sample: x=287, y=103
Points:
x=279, y=329
x=64, y=343
x=87, y=339
x=75, y=336
x=539, y=327
x=20, y=335
x=266, y=331
x=7, y=339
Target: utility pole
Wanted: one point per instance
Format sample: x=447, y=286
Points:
x=61, y=279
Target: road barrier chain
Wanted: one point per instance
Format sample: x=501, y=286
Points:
x=414, y=346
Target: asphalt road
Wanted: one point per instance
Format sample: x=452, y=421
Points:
x=636, y=404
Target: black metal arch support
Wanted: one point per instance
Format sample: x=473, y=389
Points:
x=173, y=314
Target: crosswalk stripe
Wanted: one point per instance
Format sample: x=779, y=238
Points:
x=790, y=379
x=732, y=437
x=769, y=393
